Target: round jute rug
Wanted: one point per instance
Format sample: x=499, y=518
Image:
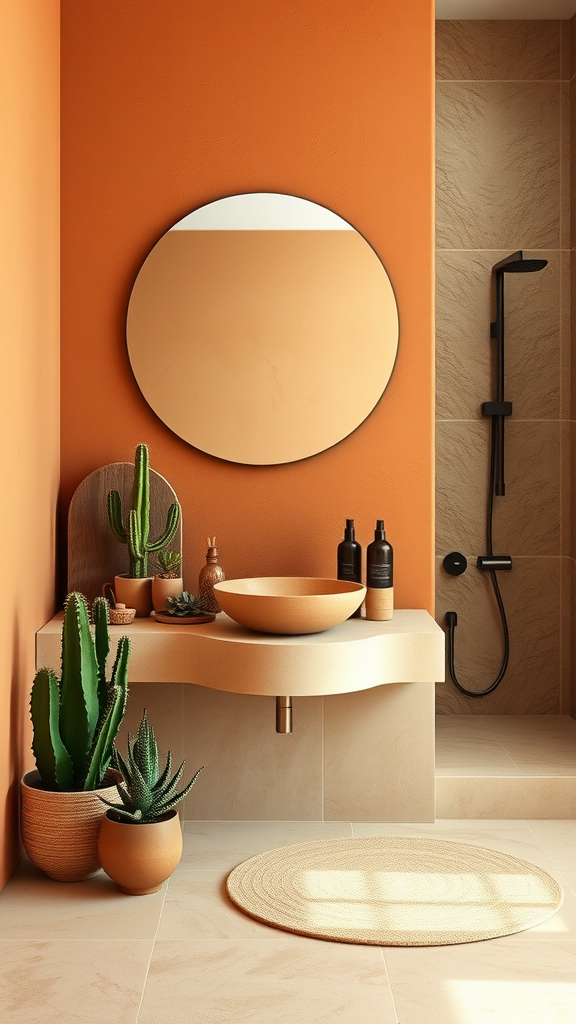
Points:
x=394, y=891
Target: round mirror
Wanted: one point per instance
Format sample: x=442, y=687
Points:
x=262, y=329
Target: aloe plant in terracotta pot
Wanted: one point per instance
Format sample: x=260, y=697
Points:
x=75, y=721
x=140, y=840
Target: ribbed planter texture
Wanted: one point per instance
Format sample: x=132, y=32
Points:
x=60, y=829
x=162, y=589
x=140, y=857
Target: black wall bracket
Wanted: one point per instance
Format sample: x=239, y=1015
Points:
x=496, y=408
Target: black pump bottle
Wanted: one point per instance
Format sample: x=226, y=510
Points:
x=379, y=576
x=350, y=559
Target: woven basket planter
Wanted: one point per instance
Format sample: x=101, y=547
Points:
x=60, y=829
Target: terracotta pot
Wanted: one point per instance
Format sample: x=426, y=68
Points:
x=140, y=857
x=60, y=830
x=134, y=593
x=163, y=589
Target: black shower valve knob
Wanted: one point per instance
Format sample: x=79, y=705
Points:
x=455, y=563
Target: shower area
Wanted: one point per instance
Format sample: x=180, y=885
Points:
x=503, y=185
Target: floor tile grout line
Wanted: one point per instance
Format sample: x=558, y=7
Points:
x=541, y=845
x=387, y=975
x=145, y=982
x=504, y=748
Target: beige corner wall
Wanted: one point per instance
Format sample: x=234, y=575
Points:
x=503, y=184
x=29, y=383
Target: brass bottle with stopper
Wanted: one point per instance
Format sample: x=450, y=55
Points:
x=210, y=574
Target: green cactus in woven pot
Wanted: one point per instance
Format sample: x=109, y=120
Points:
x=76, y=718
x=146, y=794
x=134, y=530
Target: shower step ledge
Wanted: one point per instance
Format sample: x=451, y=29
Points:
x=534, y=796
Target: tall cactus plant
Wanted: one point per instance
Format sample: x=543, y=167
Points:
x=76, y=719
x=135, y=529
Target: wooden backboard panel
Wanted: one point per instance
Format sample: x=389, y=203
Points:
x=94, y=554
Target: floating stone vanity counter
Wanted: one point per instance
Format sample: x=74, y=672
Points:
x=378, y=677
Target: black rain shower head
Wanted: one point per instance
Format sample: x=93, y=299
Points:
x=516, y=264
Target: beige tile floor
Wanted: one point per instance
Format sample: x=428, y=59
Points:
x=505, y=745
x=84, y=953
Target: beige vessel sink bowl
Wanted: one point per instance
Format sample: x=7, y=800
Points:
x=289, y=604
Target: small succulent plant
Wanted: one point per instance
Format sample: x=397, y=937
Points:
x=186, y=604
x=147, y=795
x=169, y=563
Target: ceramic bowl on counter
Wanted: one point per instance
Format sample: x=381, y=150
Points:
x=289, y=604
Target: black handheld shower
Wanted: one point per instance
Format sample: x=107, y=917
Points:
x=497, y=410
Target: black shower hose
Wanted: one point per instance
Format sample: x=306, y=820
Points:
x=451, y=617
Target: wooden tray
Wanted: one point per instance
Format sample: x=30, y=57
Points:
x=183, y=620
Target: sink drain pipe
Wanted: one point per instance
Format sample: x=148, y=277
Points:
x=284, y=714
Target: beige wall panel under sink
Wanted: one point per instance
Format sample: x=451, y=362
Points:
x=464, y=350
x=163, y=705
x=252, y=772
x=498, y=50
x=527, y=518
x=498, y=165
x=373, y=771
x=531, y=595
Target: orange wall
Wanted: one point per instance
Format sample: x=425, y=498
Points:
x=166, y=106
x=29, y=382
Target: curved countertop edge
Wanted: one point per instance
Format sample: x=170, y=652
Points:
x=356, y=655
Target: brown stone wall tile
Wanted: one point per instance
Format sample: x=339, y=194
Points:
x=531, y=596
x=565, y=487
x=498, y=165
x=527, y=519
x=565, y=634
x=498, y=50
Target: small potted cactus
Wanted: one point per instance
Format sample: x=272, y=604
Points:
x=75, y=721
x=135, y=588
x=140, y=840
x=167, y=582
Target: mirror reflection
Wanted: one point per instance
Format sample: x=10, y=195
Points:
x=262, y=329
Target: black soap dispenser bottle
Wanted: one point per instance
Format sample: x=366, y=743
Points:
x=349, y=559
x=379, y=576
